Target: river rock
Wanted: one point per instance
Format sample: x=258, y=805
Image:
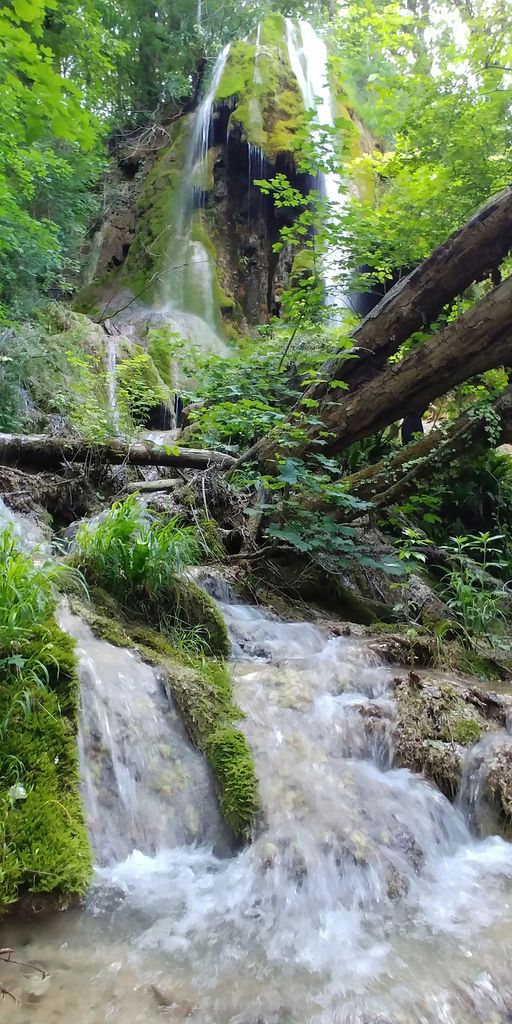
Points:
x=499, y=781
x=35, y=988
x=172, y=997
x=438, y=720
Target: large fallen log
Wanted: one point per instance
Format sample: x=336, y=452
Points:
x=479, y=340
x=43, y=452
x=415, y=302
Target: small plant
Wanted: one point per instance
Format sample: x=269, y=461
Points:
x=135, y=555
x=467, y=587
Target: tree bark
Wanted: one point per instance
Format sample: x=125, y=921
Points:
x=386, y=482
x=414, y=303
x=44, y=452
x=479, y=340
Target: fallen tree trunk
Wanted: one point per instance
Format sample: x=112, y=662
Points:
x=43, y=452
x=153, y=486
x=479, y=340
x=414, y=303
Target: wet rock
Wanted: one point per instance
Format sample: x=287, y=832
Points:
x=35, y=988
x=438, y=720
x=173, y=998
x=499, y=781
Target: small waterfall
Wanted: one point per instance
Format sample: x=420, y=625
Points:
x=144, y=786
x=111, y=378
x=473, y=797
x=364, y=896
x=309, y=61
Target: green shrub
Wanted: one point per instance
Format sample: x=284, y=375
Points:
x=134, y=554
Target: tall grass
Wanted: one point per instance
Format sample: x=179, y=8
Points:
x=28, y=597
x=134, y=554
x=28, y=590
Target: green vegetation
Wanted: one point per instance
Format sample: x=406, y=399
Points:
x=269, y=108
x=43, y=841
x=137, y=557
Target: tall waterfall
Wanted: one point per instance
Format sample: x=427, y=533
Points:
x=187, y=286
x=364, y=898
x=309, y=61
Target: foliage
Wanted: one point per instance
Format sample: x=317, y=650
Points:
x=43, y=842
x=132, y=553
x=466, y=588
x=137, y=557
x=49, y=156
x=139, y=389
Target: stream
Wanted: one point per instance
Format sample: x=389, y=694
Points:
x=364, y=898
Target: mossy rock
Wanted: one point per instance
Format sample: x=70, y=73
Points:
x=268, y=107
x=202, y=689
x=156, y=210
x=43, y=838
x=197, y=610
x=436, y=723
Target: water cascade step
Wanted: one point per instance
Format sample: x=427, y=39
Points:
x=364, y=897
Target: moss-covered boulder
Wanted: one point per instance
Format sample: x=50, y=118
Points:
x=198, y=611
x=258, y=77
x=438, y=720
x=44, y=848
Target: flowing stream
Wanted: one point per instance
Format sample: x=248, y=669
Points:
x=364, y=898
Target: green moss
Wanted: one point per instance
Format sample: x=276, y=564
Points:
x=156, y=210
x=466, y=731
x=43, y=840
x=197, y=610
x=231, y=759
x=269, y=107
x=202, y=690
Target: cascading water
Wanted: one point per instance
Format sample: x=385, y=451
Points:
x=187, y=287
x=111, y=378
x=309, y=61
x=144, y=786
x=363, y=899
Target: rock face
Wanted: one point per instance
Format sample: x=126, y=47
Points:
x=257, y=107
x=439, y=720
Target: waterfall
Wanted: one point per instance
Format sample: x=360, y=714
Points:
x=144, y=786
x=187, y=288
x=111, y=378
x=364, y=896
x=309, y=61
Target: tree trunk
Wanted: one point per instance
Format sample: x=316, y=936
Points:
x=44, y=452
x=384, y=483
x=479, y=340
x=414, y=303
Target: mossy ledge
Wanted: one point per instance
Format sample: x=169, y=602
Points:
x=203, y=693
x=45, y=855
